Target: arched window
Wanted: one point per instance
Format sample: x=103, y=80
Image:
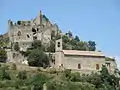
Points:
x=33, y=30
x=97, y=67
x=79, y=66
x=28, y=36
x=19, y=33
x=58, y=44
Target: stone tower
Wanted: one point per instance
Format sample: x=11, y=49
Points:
x=39, y=18
x=58, y=53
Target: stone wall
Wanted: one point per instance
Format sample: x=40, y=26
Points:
x=39, y=28
x=111, y=65
x=86, y=62
x=25, y=32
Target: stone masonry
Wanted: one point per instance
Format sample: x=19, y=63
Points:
x=25, y=32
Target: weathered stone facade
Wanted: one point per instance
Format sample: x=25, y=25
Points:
x=81, y=61
x=25, y=32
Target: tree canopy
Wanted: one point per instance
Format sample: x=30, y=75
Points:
x=38, y=58
x=76, y=44
x=36, y=55
x=3, y=45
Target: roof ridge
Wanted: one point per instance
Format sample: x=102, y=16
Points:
x=84, y=53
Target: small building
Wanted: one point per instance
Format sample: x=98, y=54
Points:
x=82, y=61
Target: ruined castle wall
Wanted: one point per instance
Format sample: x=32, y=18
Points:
x=25, y=32
x=20, y=33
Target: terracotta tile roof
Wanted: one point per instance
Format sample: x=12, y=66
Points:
x=83, y=53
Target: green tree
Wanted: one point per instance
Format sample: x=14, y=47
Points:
x=94, y=79
x=73, y=42
x=58, y=36
x=44, y=17
x=4, y=75
x=3, y=53
x=75, y=77
x=82, y=46
x=37, y=81
x=69, y=34
x=104, y=71
x=64, y=85
x=26, y=53
x=65, y=39
x=67, y=74
x=109, y=79
x=51, y=47
x=36, y=44
x=77, y=38
x=92, y=45
x=3, y=41
x=38, y=58
x=66, y=42
x=2, y=44
x=22, y=75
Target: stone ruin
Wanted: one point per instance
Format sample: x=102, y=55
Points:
x=25, y=32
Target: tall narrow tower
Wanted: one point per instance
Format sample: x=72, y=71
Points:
x=10, y=35
x=39, y=18
x=9, y=30
x=58, y=53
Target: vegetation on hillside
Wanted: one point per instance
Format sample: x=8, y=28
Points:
x=38, y=58
x=4, y=40
x=3, y=44
x=36, y=55
x=71, y=43
x=74, y=43
x=11, y=79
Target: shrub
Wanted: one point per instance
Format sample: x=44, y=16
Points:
x=39, y=70
x=22, y=75
x=64, y=85
x=67, y=74
x=38, y=81
x=6, y=67
x=75, y=77
x=4, y=74
x=51, y=47
x=3, y=55
x=37, y=87
x=37, y=44
x=94, y=79
x=38, y=58
x=53, y=71
x=13, y=67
